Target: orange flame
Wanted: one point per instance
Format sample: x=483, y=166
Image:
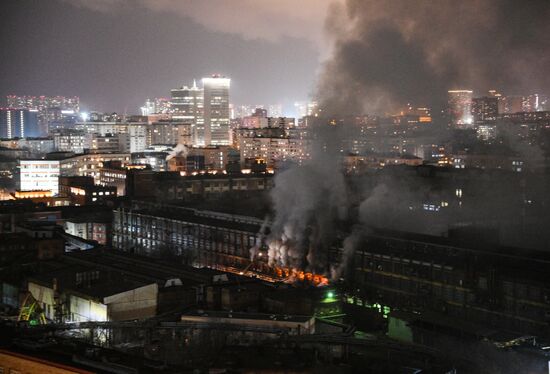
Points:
x=278, y=274
x=295, y=275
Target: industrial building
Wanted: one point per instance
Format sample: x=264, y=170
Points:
x=172, y=186
x=493, y=286
x=98, y=285
x=205, y=238
x=465, y=279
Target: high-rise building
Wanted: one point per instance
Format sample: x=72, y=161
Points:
x=170, y=133
x=42, y=103
x=242, y=111
x=460, y=108
x=304, y=109
x=136, y=138
x=50, y=108
x=103, y=143
x=514, y=104
x=187, y=107
x=206, y=109
x=216, y=111
x=484, y=109
x=273, y=150
x=71, y=141
x=502, y=102
x=18, y=123
x=158, y=105
x=534, y=103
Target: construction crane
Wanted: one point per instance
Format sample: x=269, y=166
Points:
x=31, y=312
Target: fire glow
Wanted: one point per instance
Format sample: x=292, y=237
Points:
x=279, y=274
x=290, y=275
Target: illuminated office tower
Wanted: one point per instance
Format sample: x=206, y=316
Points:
x=158, y=105
x=502, y=101
x=18, y=123
x=534, y=103
x=216, y=111
x=187, y=107
x=460, y=108
x=49, y=108
x=41, y=103
x=484, y=109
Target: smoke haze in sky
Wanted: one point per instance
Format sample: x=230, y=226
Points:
x=389, y=53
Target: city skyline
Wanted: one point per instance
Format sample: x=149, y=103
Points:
x=306, y=186
x=270, y=70
x=303, y=57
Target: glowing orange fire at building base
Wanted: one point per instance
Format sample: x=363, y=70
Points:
x=278, y=274
x=290, y=275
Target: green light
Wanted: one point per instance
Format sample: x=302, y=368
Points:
x=330, y=295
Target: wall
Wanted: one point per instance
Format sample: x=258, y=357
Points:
x=134, y=304
x=82, y=310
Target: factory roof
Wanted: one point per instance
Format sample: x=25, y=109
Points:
x=529, y=263
x=247, y=316
x=191, y=217
x=141, y=267
x=67, y=277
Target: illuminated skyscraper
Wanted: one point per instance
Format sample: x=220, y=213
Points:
x=460, y=108
x=534, y=103
x=158, y=105
x=216, y=111
x=206, y=109
x=484, y=109
x=514, y=104
x=41, y=103
x=187, y=107
x=18, y=123
x=502, y=102
x=49, y=108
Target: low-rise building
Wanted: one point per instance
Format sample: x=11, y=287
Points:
x=71, y=141
x=82, y=191
x=274, y=150
x=156, y=160
x=90, y=164
x=39, y=175
x=115, y=173
x=88, y=229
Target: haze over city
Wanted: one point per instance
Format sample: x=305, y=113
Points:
x=324, y=186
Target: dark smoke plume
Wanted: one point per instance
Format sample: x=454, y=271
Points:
x=389, y=53
x=307, y=200
x=386, y=54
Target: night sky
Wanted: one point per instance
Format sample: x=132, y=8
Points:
x=354, y=56
x=116, y=53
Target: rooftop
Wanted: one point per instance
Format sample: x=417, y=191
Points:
x=249, y=316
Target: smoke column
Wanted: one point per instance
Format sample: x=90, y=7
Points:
x=307, y=200
x=389, y=53
x=386, y=54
